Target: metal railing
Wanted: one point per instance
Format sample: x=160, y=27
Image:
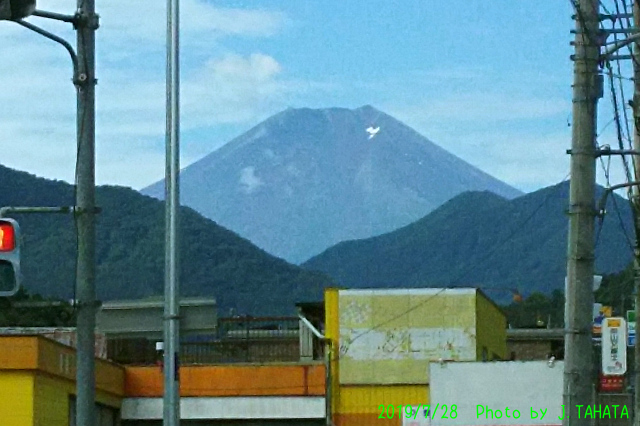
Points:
x=238, y=340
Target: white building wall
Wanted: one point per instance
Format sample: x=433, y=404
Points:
x=522, y=386
x=228, y=408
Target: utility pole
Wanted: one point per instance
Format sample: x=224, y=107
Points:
x=636, y=205
x=85, y=81
x=85, y=21
x=171, y=345
x=578, y=368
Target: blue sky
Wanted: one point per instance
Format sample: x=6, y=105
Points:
x=488, y=81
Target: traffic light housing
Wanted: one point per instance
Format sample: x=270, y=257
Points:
x=14, y=10
x=9, y=257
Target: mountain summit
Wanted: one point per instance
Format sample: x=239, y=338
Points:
x=306, y=179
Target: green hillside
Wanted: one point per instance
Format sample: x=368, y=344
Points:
x=215, y=262
x=479, y=239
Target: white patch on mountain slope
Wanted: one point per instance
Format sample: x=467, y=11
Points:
x=269, y=154
x=259, y=132
x=249, y=181
x=372, y=131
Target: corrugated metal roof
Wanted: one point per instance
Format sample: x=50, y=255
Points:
x=155, y=303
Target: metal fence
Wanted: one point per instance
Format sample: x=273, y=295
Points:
x=238, y=339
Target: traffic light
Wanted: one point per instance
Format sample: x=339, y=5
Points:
x=9, y=257
x=13, y=10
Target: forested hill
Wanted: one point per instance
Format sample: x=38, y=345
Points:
x=215, y=262
x=481, y=239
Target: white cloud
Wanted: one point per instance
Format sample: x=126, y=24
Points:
x=221, y=87
x=255, y=68
x=234, y=89
x=37, y=103
x=143, y=21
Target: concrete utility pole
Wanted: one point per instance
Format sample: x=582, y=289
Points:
x=172, y=203
x=87, y=23
x=578, y=369
x=636, y=203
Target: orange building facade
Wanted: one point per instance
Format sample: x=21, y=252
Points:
x=285, y=392
x=37, y=384
x=37, y=388
x=369, y=349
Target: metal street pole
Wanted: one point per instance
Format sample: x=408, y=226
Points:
x=636, y=206
x=85, y=82
x=172, y=202
x=578, y=369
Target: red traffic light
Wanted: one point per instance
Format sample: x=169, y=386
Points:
x=7, y=236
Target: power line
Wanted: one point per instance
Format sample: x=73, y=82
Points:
x=614, y=100
x=622, y=95
x=605, y=127
x=629, y=25
x=607, y=168
x=616, y=208
x=465, y=271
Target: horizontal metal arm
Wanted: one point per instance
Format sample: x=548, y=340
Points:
x=605, y=151
x=7, y=210
x=63, y=42
x=602, y=152
x=612, y=17
x=57, y=16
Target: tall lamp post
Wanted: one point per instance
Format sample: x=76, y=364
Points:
x=171, y=400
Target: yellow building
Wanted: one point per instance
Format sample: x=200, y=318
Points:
x=37, y=384
x=381, y=341
x=384, y=340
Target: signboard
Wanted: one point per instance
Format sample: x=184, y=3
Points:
x=599, y=314
x=493, y=386
x=390, y=336
x=631, y=328
x=614, y=346
x=611, y=383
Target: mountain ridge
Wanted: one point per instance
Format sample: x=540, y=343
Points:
x=478, y=239
x=305, y=179
x=215, y=262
